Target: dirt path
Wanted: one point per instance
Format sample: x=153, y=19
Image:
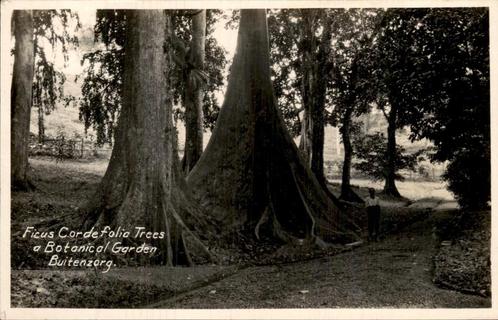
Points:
x=395, y=272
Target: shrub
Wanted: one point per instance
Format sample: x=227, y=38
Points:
x=371, y=152
x=469, y=178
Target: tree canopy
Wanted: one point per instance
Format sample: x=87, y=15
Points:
x=101, y=90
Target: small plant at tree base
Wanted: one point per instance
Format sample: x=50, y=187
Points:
x=371, y=151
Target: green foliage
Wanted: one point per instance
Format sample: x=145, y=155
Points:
x=211, y=78
x=52, y=29
x=351, y=35
x=291, y=49
x=101, y=89
x=284, y=27
x=433, y=65
x=468, y=176
x=101, y=102
x=371, y=150
x=393, y=65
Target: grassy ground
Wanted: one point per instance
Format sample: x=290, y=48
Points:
x=397, y=271
x=89, y=289
x=61, y=187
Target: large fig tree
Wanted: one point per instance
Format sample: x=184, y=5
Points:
x=251, y=176
x=143, y=185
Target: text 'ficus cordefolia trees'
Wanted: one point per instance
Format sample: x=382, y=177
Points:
x=251, y=175
x=143, y=185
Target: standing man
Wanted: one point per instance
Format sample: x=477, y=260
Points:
x=373, y=213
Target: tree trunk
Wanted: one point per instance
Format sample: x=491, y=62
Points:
x=313, y=88
x=348, y=155
x=346, y=192
x=318, y=138
x=143, y=185
x=41, y=125
x=305, y=143
x=194, y=94
x=390, y=185
x=308, y=48
x=251, y=176
x=21, y=98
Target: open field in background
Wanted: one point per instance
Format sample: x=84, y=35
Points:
x=66, y=120
x=413, y=190
x=94, y=166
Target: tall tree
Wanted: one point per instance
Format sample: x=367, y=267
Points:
x=452, y=86
x=394, y=77
x=316, y=67
x=314, y=55
x=353, y=33
x=21, y=96
x=251, y=175
x=300, y=60
x=143, y=184
x=193, y=96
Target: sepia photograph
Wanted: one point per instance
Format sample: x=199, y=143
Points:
x=272, y=156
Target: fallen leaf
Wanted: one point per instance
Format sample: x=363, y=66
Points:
x=42, y=290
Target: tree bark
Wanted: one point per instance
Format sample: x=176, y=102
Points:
x=308, y=48
x=21, y=98
x=194, y=93
x=143, y=185
x=41, y=125
x=348, y=155
x=347, y=193
x=390, y=184
x=348, y=108
x=251, y=175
